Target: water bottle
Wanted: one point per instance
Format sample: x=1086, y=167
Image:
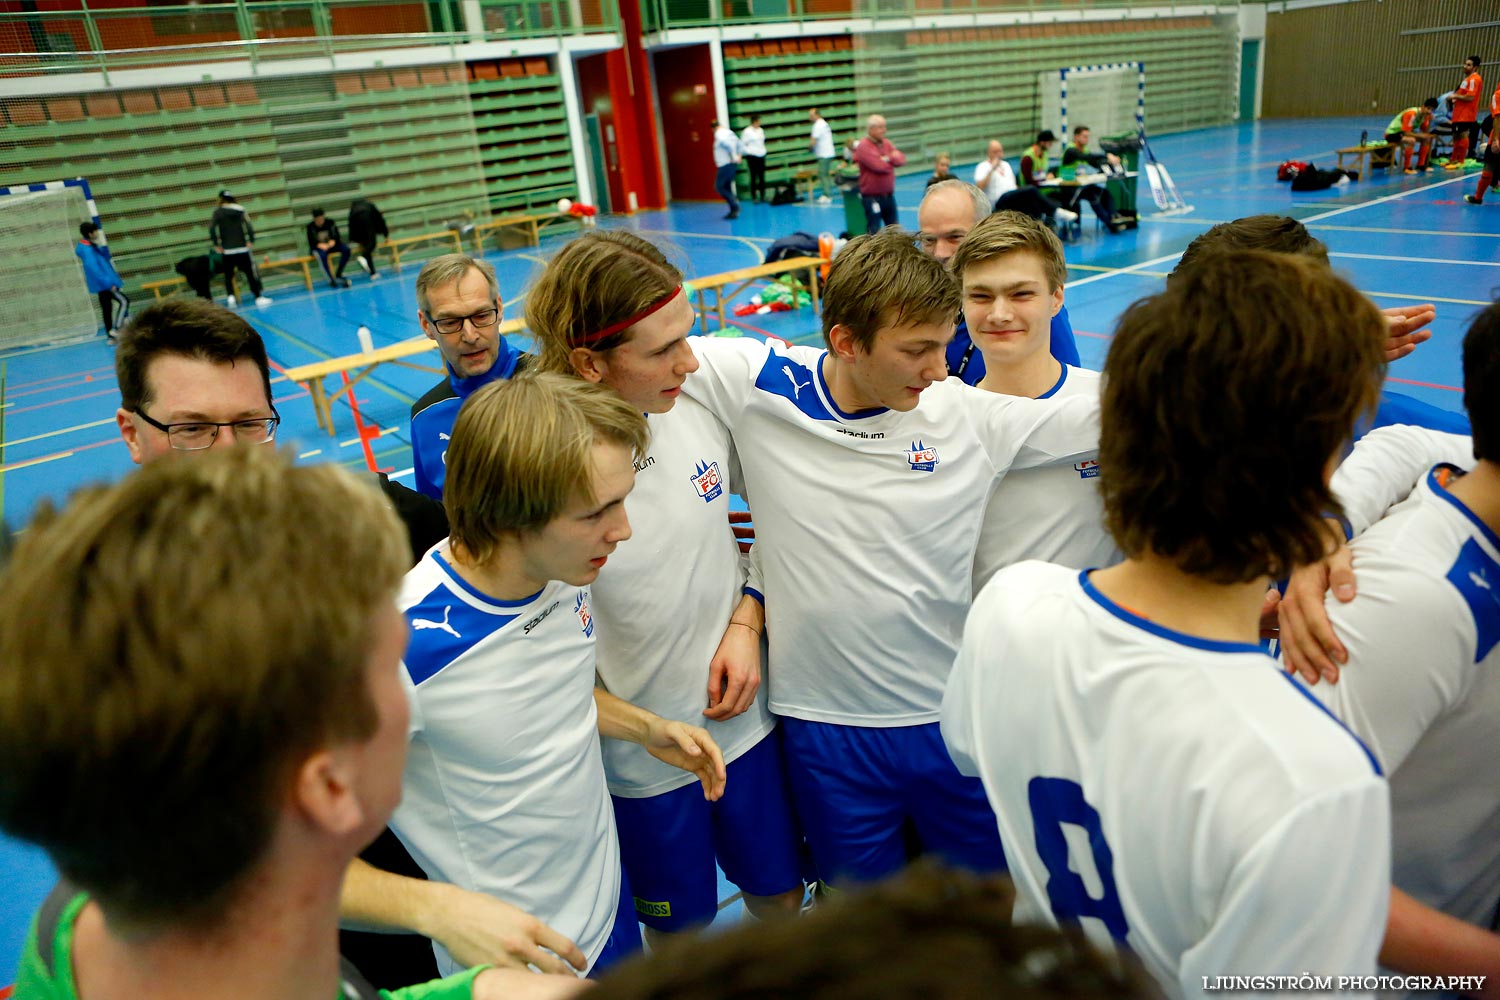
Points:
x=366, y=342
x=825, y=250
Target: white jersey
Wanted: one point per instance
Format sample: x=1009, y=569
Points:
x=1422, y=688
x=994, y=181
x=866, y=525
x=1388, y=463
x=504, y=789
x=664, y=599
x=822, y=137
x=1165, y=791
x=1054, y=513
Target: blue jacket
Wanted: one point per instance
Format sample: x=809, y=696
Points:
x=1398, y=409
x=433, y=416
x=965, y=361
x=98, y=268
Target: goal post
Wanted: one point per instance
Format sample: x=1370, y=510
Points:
x=43, y=296
x=1110, y=98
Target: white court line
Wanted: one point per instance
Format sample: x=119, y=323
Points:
x=1195, y=221
x=310, y=454
x=1126, y=270
x=402, y=474
x=1380, y=201
x=1426, y=298
x=76, y=427
x=1416, y=260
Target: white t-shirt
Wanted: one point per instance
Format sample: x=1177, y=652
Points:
x=996, y=181
x=665, y=597
x=753, y=141
x=822, y=136
x=504, y=789
x=1422, y=688
x=1054, y=513
x=866, y=525
x=726, y=146
x=1182, y=797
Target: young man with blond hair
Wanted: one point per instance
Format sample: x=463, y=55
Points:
x=1156, y=778
x=459, y=308
x=864, y=598
x=217, y=666
x=504, y=787
x=1012, y=271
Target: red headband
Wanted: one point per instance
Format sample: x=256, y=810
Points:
x=593, y=338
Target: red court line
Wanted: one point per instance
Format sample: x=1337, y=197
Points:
x=55, y=378
x=56, y=388
x=1425, y=385
x=59, y=402
x=1096, y=336
x=5, y=992
x=56, y=455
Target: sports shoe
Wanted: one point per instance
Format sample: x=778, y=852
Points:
x=823, y=199
x=1454, y=165
x=263, y=300
x=1410, y=170
x=230, y=301
x=333, y=283
x=1470, y=199
x=1066, y=215
x=343, y=282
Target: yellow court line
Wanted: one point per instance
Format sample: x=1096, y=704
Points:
x=310, y=454
x=24, y=463
x=65, y=430
x=1427, y=298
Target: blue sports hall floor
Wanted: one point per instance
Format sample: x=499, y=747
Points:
x=1400, y=239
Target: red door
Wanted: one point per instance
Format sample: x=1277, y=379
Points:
x=685, y=91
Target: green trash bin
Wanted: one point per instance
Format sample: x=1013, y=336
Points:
x=847, y=179
x=1127, y=146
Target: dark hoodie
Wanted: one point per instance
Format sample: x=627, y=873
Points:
x=231, y=228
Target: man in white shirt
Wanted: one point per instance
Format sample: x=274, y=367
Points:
x=1012, y=271
x=994, y=177
x=727, y=165
x=820, y=141
x=753, y=147
x=869, y=471
x=504, y=789
x=1157, y=780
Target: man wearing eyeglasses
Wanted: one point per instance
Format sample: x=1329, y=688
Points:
x=192, y=376
x=458, y=305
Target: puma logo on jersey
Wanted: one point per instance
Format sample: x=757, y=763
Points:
x=706, y=481
x=797, y=387
x=444, y=455
x=921, y=458
x=418, y=624
x=1478, y=580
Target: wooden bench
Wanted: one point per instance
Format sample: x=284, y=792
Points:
x=531, y=224
x=743, y=278
x=810, y=179
x=169, y=286
x=311, y=377
x=1383, y=155
x=394, y=246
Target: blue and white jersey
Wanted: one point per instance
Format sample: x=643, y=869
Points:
x=665, y=597
x=1054, y=513
x=1388, y=463
x=1163, y=790
x=1422, y=688
x=866, y=524
x=504, y=788
x=433, y=416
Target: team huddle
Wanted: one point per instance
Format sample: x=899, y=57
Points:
x=1017, y=620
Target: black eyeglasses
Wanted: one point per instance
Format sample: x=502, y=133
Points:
x=200, y=434
x=453, y=324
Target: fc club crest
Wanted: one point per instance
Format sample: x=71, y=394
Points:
x=1088, y=469
x=921, y=458
x=707, y=481
x=581, y=609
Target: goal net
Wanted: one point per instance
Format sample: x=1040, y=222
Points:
x=1110, y=100
x=43, y=297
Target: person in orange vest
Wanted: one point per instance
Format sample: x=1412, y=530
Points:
x=1466, y=113
x=1403, y=131
x=1491, y=173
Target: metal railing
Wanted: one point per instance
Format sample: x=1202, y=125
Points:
x=663, y=14
x=93, y=38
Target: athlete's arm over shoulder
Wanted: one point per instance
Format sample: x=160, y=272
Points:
x=727, y=370
x=1388, y=463
x=1025, y=433
x=1263, y=910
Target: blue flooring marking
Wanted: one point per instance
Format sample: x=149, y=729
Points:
x=61, y=402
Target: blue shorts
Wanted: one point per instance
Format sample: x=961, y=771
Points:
x=860, y=791
x=624, y=939
x=669, y=842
